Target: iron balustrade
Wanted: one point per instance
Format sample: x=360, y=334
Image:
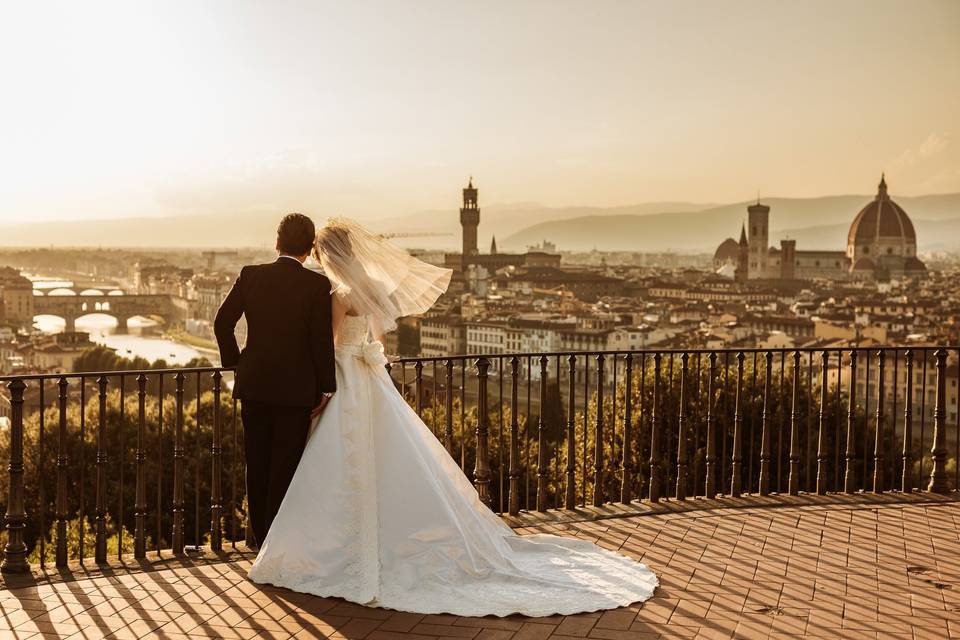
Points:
x=108, y=399
x=555, y=430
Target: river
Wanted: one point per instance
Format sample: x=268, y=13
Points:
x=141, y=338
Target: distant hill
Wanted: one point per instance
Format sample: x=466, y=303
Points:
x=212, y=230
x=506, y=219
x=258, y=228
x=932, y=235
x=816, y=223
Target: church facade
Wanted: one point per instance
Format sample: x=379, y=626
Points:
x=881, y=244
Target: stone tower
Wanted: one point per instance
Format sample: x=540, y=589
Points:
x=469, y=220
x=788, y=259
x=758, y=221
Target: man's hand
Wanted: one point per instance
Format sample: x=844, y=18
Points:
x=317, y=410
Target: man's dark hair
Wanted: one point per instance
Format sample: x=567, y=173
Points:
x=296, y=234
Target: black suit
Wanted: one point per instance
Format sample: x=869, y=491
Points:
x=282, y=373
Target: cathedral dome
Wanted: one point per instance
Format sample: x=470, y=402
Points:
x=882, y=238
x=881, y=219
x=727, y=252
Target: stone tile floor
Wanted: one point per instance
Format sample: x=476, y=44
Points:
x=815, y=570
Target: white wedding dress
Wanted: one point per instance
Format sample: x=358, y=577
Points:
x=379, y=514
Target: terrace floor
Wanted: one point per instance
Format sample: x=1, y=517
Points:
x=815, y=568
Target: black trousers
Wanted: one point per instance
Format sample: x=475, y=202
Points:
x=274, y=438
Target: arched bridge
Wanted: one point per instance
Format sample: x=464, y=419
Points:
x=121, y=307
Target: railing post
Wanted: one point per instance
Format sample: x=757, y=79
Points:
x=570, y=499
x=878, y=484
x=793, y=479
x=710, y=482
x=765, y=429
x=514, y=498
x=542, y=468
x=100, y=550
x=481, y=469
x=938, y=453
x=851, y=418
x=736, y=462
x=418, y=367
x=626, y=465
x=448, y=408
x=140, y=499
x=15, y=551
x=216, y=499
x=821, y=451
x=906, y=482
x=178, y=464
x=655, y=470
x=62, y=462
x=598, y=492
x=682, y=471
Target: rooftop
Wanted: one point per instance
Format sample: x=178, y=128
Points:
x=854, y=566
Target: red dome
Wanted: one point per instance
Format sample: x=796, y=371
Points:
x=881, y=219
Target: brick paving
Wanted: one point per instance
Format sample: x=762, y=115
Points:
x=815, y=570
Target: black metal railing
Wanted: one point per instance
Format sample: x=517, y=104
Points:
x=532, y=431
x=133, y=424
x=591, y=428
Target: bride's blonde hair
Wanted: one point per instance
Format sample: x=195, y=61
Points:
x=333, y=240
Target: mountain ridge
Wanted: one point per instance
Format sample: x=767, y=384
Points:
x=814, y=222
x=705, y=230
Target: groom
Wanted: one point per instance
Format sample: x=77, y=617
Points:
x=285, y=374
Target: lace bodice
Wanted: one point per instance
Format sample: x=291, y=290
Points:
x=352, y=331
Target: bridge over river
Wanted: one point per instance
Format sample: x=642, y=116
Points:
x=120, y=306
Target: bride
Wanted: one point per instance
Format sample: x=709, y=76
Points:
x=379, y=514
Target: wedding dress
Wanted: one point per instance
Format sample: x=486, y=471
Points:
x=379, y=514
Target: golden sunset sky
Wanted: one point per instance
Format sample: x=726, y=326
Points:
x=378, y=109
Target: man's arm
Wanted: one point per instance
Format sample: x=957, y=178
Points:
x=228, y=315
x=321, y=341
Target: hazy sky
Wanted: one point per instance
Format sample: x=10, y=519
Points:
x=375, y=109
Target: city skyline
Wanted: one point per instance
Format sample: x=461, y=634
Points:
x=375, y=110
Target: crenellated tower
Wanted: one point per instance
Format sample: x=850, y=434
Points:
x=469, y=220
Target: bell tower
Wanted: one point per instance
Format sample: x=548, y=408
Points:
x=469, y=220
x=758, y=219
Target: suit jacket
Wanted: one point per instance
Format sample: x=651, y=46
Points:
x=288, y=359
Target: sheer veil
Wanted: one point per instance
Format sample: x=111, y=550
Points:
x=376, y=278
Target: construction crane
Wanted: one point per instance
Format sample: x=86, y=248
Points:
x=424, y=234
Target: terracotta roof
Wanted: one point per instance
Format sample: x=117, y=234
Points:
x=864, y=264
x=913, y=264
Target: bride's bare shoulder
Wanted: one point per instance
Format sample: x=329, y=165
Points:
x=342, y=307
